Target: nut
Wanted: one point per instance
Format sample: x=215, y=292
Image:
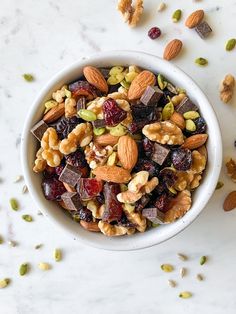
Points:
x=165, y=132
x=178, y=119
x=95, y=77
x=112, y=174
x=140, y=83
x=137, y=219
x=138, y=181
x=203, y=151
x=90, y=226
x=198, y=162
x=96, y=106
x=59, y=95
x=54, y=113
x=96, y=155
x=127, y=152
x=39, y=164
x=96, y=209
x=131, y=14
x=150, y=185
x=231, y=169
x=195, y=182
x=129, y=197
x=184, y=178
x=120, y=95
x=176, y=100
x=50, y=144
x=106, y=139
x=80, y=135
x=194, y=19
x=227, y=88
x=70, y=107
x=112, y=231
x=172, y=49
x=230, y=201
x=178, y=206
x=195, y=141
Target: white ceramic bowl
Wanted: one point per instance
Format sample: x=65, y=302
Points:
x=200, y=197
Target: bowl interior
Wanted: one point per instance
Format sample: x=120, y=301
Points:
x=200, y=196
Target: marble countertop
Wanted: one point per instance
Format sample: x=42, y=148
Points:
x=41, y=37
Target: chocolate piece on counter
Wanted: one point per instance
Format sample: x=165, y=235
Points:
x=72, y=200
x=81, y=103
x=38, y=129
x=154, y=215
x=70, y=175
x=203, y=29
x=99, y=123
x=186, y=105
x=159, y=154
x=151, y=95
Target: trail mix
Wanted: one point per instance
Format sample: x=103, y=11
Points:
x=121, y=150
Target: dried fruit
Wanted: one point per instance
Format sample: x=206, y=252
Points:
x=23, y=269
x=230, y=44
x=154, y=32
x=27, y=218
x=167, y=268
x=113, y=114
x=14, y=204
x=113, y=208
x=83, y=88
x=201, y=61
x=167, y=111
x=53, y=189
x=194, y=19
x=176, y=16
x=181, y=159
x=195, y=141
x=185, y=295
x=127, y=152
x=230, y=201
x=202, y=260
x=112, y=174
x=89, y=188
x=172, y=49
x=95, y=77
x=227, y=88
x=140, y=83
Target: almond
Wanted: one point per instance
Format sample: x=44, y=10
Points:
x=194, y=19
x=230, y=201
x=54, y=113
x=178, y=119
x=69, y=188
x=95, y=77
x=195, y=141
x=140, y=83
x=90, y=226
x=127, y=152
x=172, y=49
x=112, y=174
x=106, y=139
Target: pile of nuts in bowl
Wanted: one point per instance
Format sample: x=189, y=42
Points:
x=121, y=149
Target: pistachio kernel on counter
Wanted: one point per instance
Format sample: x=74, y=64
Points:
x=230, y=44
x=28, y=77
x=167, y=268
x=185, y=295
x=201, y=61
x=176, y=16
x=203, y=260
x=14, y=204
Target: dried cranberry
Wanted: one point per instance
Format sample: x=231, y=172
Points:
x=89, y=188
x=168, y=177
x=85, y=214
x=200, y=126
x=162, y=202
x=113, y=208
x=181, y=159
x=58, y=169
x=135, y=127
x=140, y=112
x=83, y=88
x=165, y=98
x=154, y=32
x=148, y=147
x=64, y=126
x=49, y=172
x=53, y=189
x=77, y=159
x=147, y=165
x=113, y=114
x=140, y=204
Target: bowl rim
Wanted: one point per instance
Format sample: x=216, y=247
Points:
x=96, y=58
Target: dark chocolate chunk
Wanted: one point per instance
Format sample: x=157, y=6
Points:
x=185, y=106
x=203, y=29
x=105, y=72
x=154, y=215
x=72, y=201
x=159, y=154
x=70, y=175
x=81, y=103
x=99, y=123
x=140, y=204
x=151, y=95
x=38, y=129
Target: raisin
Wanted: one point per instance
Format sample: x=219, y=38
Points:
x=77, y=159
x=168, y=177
x=148, y=147
x=181, y=159
x=85, y=214
x=64, y=126
x=201, y=126
x=53, y=189
x=147, y=165
x=83, y=88
x=162, y=202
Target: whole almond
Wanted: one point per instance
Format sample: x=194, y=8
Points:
x=172, y=49
x=230, y=201
x=194, y=19
x=112, y=174
x=127, y=152
x=54, y=113
x=106, y=139
x=140, y=83
x=95, y=77
x=195, y=141
x=178, y=119
x=90, y=226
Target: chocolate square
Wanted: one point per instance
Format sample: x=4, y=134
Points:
x=38, y=129
x=159, y=154
x=72, y=200
x=154, y=215
x=151, y=95
x=185, y=106
x=203, y=29
x=70, y=175
x=81, y=103
x=99, y=123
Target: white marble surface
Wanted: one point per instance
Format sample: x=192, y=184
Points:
x=43, y=36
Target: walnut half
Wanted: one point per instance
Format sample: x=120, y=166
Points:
x=114, y=231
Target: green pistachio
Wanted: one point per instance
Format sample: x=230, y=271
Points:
x=57, y=254
x=161, y=81
x=112, y=159
x=191, y=115
x=125, y=84
x=4, y=282
x=14, y=204
x=203, y=260
x=118, y=130
x=112, y=80
x=167, y=268
x=27, y=218
x=201, y=61
x=190, y=125
x=28, y=77
x=230, y=44
x=129, y=77
x=167, y=111
x=116, y=70
x=185, y=295
x=87, y=115
x=49, y=105
x=23, y=269
x=99, y=131
x=176, y=16
x=219, y=185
